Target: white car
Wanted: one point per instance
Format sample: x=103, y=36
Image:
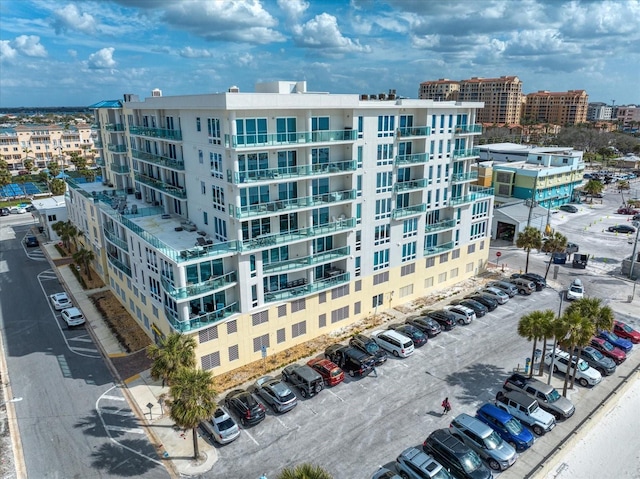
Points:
x=60, y=301
x=494, y=293
x=17, y=210
x=73, y=317
x=463, y=314
x=394, y=342
x=576, y=290
x=586, y=375
x=221, y=427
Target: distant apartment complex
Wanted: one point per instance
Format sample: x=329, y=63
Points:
x=558, y=108
x=258, y=221
x=43, y=143
x=598, y=111
x=628, y=116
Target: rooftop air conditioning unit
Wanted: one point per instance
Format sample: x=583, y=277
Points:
x=382, y=96
x=156, y=92
x=364, y=96
x=234, y=89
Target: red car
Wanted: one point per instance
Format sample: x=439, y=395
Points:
x=626, y=210
x=329, y=371
x=625, y=331
x=609, y=350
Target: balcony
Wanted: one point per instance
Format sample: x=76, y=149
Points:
x=200, y=321
x=269, y=174
x=119, y=265
x=475, y=194
x=399, y=213
x=412, y=185
x=162, y=133
x=412, y=159
x=200, y=288
x=440, y=226
x=114, y=127
x=413, y=131
x=261, y=209
x=119, y=169
x=466, y=153
x=267, y=241
x=97, y=144
x=113, y=239
x=175, y=191
x=299, y=138
x=100, y=161
x=117, y=148
x=298, y=263
x=158, y=159
x=439, y=249
x=468, y=129
x=462, y=177
x=296, y=292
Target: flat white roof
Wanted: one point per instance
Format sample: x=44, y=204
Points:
x=49, y=203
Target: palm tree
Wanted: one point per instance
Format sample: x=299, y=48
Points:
x=556, y=243
x=85, y=257
x=529, y=239
x=304, y=471
x=192, y=400
x=593, y=187
x=576, y=332
x=174, y=352
x=547, y=328
x=531, y=327
x=66, y=231
x=58, y=186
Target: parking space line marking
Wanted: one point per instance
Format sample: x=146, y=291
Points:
x=135, y=430
x=83, y=339
x=441, y=346
x=334, y=394
x=113, y=398
x=86, y=350
x=283, y=424
x=482, y=322
x=118, y=412
x=251, y=437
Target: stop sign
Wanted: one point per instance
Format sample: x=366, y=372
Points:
x=498, y=254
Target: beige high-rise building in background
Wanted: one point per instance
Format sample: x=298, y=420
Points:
x=559, y=108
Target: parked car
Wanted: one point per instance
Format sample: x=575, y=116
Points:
x=60, y=301
x=609, y=350
x=445, y=319
x=352, y=361
x=31, y=241
x=572, y=248
x=413, y=463
x=627, y=210
x=624, y=331
x=575, y=290
x=538, y=280
x=394, y=342
x=454, y=455
x=330, y=372
x=585, y=375
x=580, y=260
x=72, y=317
x=489, y=303
x=463, y=314
x=384, y=473
x=509, y=428
x=569, y=208
x=369, y=346
x=484, y=441
x=245, y=406
x=527, y=410
x=504, y=286
x=417, y=336
x=598, y=361
x=306, y=379
x=478, y=308
x=621, y=229
x=547, y=396
x=275, y=393
x=617, y=341
x=221, y=427
x=427, y=325
x=525, y=286
x=494, y=293
x=4, y=212
x=17, y=210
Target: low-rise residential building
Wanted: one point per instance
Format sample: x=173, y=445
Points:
x=48, y=211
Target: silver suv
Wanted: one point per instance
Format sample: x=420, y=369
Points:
x=412, y=463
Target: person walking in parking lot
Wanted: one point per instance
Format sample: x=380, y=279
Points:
x=446, y=405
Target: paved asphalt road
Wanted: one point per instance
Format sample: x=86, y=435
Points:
x=73, y=421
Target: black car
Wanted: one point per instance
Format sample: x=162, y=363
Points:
x=352, y=360
x=425, y=324
x=453, y=454
x=479, y=308
x=444, y=318
x=31, y=241
x=489, y=303
x=536, y=279
x=244, y=405
x=4, y=212
x=621, y=229
x=369, y=346
x=569, y=208
x=417, y=336
x=594, y=358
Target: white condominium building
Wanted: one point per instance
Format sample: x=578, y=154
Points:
x=258, y=221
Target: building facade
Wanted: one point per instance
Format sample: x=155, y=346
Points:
x=439, y=90
x=559, y=108
x=599, y=111
x=258, y=221
x=629, y=117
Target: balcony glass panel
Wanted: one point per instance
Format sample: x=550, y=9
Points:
x=156, y=133
x=276, y=139
x=292, y=204
x=412, y=185
x=201, y=321
x=158, y=159
x=413, y=131
x=461, y=177
x=121, y=169
x=296, y=292
x=462, y=129
x=290, y=172
x=412, y=159
x=298, y=263
x=172, y=190
x=114, y=127
x=466, y=153
x=112, y=238
x=408, y=211
x=208, y=286
x=119, y=265
x=100, y=161
x=440, y=225
x=117, y=148
x=439, y=249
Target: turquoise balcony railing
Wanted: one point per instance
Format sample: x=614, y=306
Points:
x=114, y=127
x=440, y=225
x=296, y=292
x=439, y=249
x=117, y=148
x=464, y=129
x=112, y=238
x=77, y=188
x=408, y=211
x=119, y=265
x=120, y=169
x=200, y=321
x=100, y=161
x=172, y=190
x=466, y=153
x=413, y=131
x=97, y=144
x=156, y=133
x=276, y=139
x=208, y=286
x=291, y=204
x=298, y=263
x=462, y=177
x=269, y=174
x=476, y=192
x=412, y=159
x=412, y=184
x=158, y=159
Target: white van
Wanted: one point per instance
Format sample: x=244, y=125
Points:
x=396, y=343
x=463, y=314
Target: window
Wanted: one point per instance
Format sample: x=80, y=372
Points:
x=339, y=314
x=380, y=259
x=428, y=282
x=260, y=318
x=471, y=249
x=322, y=320
x=198, y=125
x=213, y=129
x=478, y=230
x=455, y=254
x=259, y=342
x=360, y=127
x=378, y=300
x=382, y=234
x=282, y=310
x=251, y=131
x=203, y=188
x=358, y=269
x=200, y=157
x=340, y=292
x=357, y=285
x=298, y=305
x=383, y=208
x=210, y=361
x=281, y=336
x=298, y=329
x=409, y=251
x=286, y=129
x=357, y=308
x=234, y=353
x=454, y=273
x=232, y=327
x=322, y=297
x=386, y=125
x=431, y=262
x=469, y=267
x=406, y=290
x=217, y=197
x=442, y=277
x=444, y=257
x=384, y=181
x=320, y=123
x=215, y=160
x=385, y=154
x=408, y=269
x=205, y=217
x=410, y=228
x=380, y=278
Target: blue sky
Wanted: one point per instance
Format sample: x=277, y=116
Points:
x=78, y=52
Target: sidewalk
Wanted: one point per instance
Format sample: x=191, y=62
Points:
x=174, y=446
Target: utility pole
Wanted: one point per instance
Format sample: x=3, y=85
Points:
x=533, y=195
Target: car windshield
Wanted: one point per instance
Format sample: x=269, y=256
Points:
x=226, y=424
x=612, y=337
x=576, y=289
x=597, y=354
x=582, y=365
x=626, y=327
x=553, y=396
x=416, y=333
x=335, y=372
x=470, y=462
x=372, y=347
x=493, y=441
x=607, y=345
x=513, y=426
x=281, y=389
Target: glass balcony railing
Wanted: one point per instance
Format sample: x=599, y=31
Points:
x=175, y=191
x=77, y=188
x=298, y=263
x=113, y=239
x=462, y=177
x=408, y=211
x=296, y=292
x=269, y=174
x=120, y=169
x=162, y=133
x=476, y=192
x=291, y=204
x=413, y=131
x=117, y=148
x=200, y=321
x=439, y=249
x=209, y=286
x=275, y=139
x=158, y=159
x=119, y=265
x=466, y=153
x=97, y=144
x=114, y=127
x=439, y=226
x=100, y=161
x=412, y=159
x=412, y=184
x=464, y=129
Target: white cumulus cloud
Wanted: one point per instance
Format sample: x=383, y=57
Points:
x=70, y=18
x=24, y=45
x=322, y=33
x=102, y=59
x=293, y=8
x=188, y=52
